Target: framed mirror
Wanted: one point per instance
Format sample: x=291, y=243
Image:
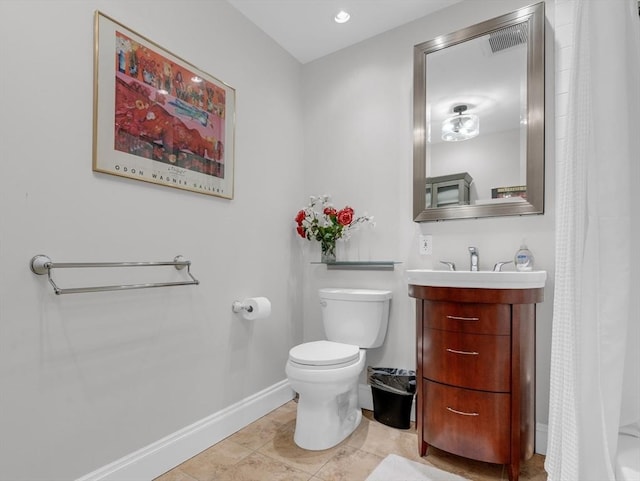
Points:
x=478, y=106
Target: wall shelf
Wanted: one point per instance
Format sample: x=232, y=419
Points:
x=360, y=265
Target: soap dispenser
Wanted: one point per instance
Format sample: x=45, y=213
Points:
x=523, y=259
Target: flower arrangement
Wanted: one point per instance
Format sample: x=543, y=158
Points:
x=324, y=223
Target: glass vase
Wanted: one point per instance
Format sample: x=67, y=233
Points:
x=328, y=252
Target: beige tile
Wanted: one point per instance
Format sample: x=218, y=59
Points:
x=467, y=468
x=260, y=467
x=175, y=475
x=214, y=461
x=348, y=464
x=284, y=414
x=265, y=450
x=381, y=440
x=533, y=469
x=284, y=449
x=257, y=433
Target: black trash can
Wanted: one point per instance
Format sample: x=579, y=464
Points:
x=393, y=390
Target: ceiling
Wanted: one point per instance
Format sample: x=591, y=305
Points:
x=306, y=29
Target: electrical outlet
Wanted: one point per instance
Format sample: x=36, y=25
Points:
x=426, y=245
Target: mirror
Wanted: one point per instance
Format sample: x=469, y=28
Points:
x=478, y=105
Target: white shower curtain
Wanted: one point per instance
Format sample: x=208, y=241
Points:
x=595, y=334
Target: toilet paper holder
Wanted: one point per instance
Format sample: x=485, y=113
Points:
x=238, y=306
x=253, y=308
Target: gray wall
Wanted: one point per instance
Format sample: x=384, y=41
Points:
x=88, y=378
x=358, y=147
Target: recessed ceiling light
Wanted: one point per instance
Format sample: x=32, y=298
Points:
x=342, y=17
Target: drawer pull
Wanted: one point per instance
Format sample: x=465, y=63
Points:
x=461, y=412
x=467, y=353
x=459, y=318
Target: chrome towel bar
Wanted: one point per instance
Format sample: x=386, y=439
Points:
x=41, y=264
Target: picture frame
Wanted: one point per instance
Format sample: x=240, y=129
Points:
x=158, y=118
x=509, y=192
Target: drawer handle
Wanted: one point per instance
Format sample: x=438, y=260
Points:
x=459, y=318
x=461, y=412
x=467, y=353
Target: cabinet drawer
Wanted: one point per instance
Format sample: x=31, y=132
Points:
x=468, y=317
x=469, y=423
x=474, y=361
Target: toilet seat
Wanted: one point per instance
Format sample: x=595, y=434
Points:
x=324, y=355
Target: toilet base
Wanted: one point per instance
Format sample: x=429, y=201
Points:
x=324, y=423
x=328, y=407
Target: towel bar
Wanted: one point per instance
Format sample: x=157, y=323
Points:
x=42, y=264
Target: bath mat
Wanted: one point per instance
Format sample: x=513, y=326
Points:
x=397, y=468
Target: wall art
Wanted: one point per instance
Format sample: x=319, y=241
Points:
x=157, y=117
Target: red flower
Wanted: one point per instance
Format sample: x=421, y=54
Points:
x=322, y=222
x=300, y=217
x=330, y=211
x=345, y=216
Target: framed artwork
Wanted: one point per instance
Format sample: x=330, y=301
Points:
x=158, y=118
x=509, y=192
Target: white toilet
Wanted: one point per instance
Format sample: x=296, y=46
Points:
x=325, y=374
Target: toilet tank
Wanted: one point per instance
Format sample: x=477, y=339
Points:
x=355, y=316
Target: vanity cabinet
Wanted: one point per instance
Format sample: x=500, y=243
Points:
x=476, y=372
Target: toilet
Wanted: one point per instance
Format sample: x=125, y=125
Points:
x=325, y=373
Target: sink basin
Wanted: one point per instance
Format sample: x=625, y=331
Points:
x=480, y=279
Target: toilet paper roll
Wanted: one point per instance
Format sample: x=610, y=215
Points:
x=257, y=308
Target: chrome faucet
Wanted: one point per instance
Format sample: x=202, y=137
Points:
x=497, y=267
x=450, y=265
x=475, y=259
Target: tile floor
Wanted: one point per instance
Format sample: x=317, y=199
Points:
x=265, y=451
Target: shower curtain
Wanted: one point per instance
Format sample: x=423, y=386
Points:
x=595, y=335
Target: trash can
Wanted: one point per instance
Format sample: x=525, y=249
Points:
x=393, y=390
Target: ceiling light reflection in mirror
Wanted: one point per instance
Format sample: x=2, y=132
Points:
x=342, y=17
x=461, y=126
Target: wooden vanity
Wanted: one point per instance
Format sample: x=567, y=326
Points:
x=476, y=372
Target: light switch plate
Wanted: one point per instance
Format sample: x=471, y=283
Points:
x=425, y=245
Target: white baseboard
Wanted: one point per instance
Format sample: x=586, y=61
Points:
x=542, y=432
x=159, y=457
x=365, y=397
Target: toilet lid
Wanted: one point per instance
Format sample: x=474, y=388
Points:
x=324, y=353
